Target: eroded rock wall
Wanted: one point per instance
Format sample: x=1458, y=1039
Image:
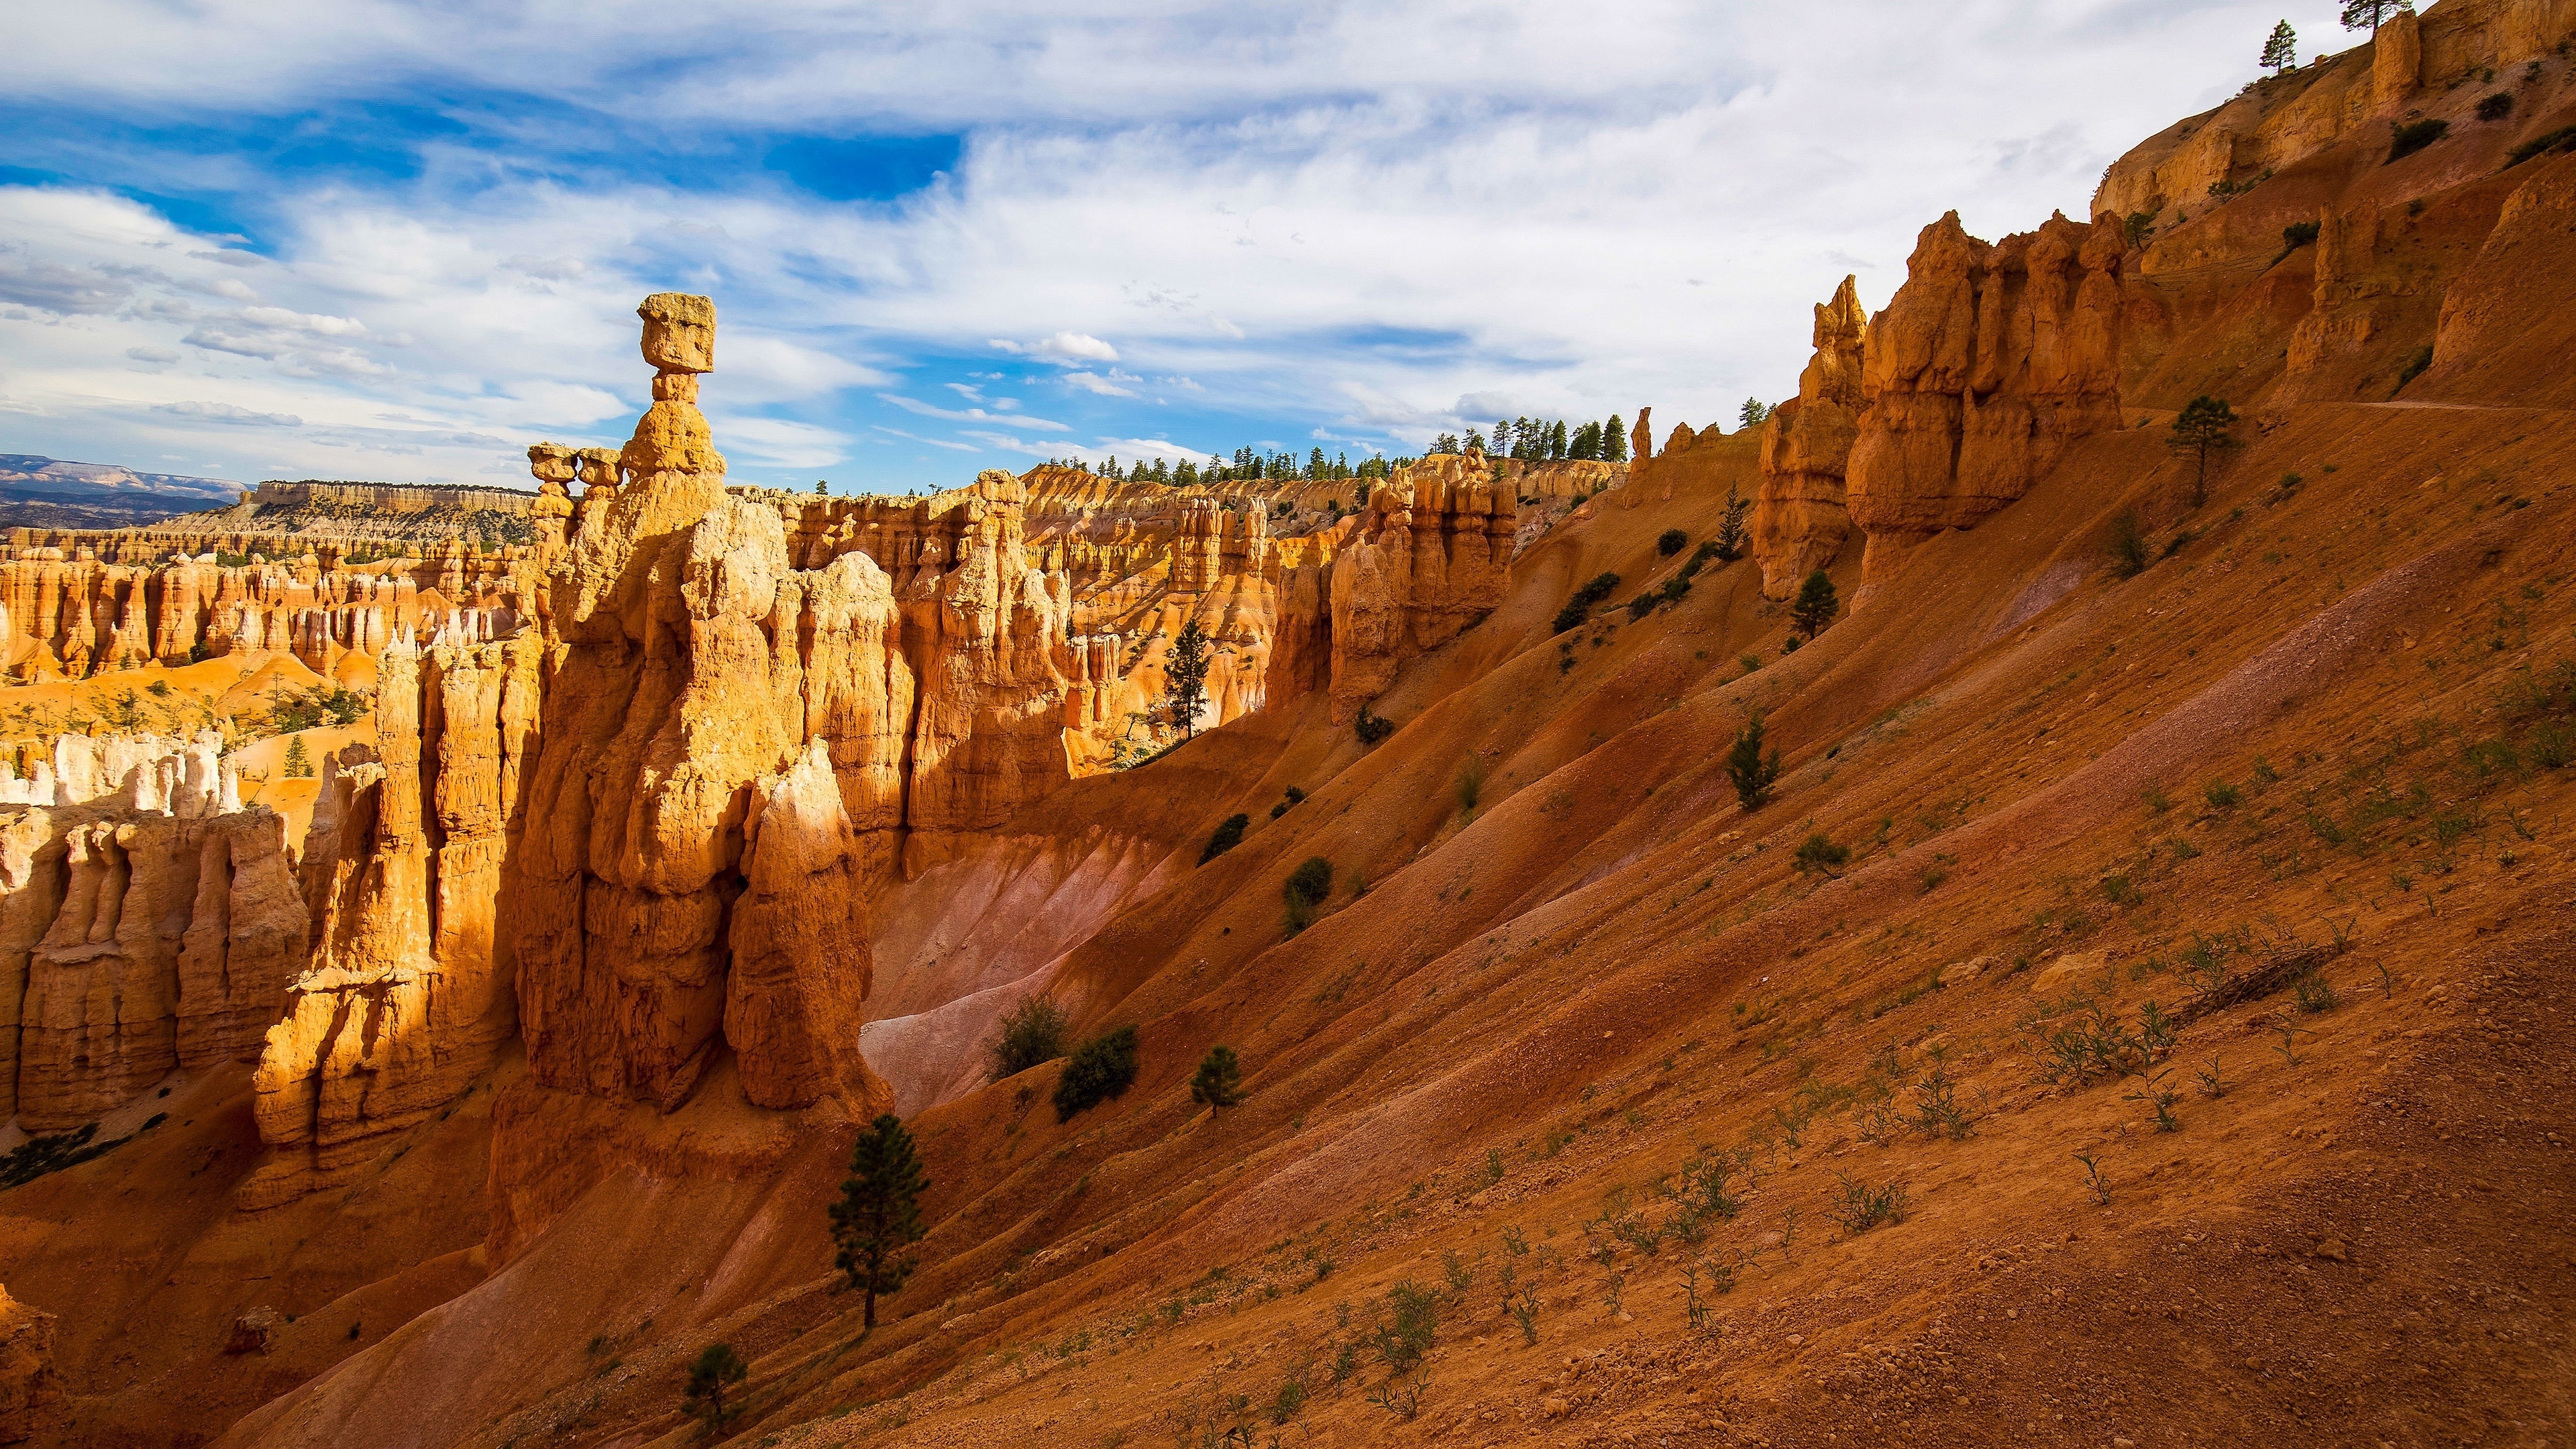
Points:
x=1987, y=362
x=1800, y=520
x=1429, y=557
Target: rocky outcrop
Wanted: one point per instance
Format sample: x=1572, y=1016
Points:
x=1429, y=557
x=1983, y=367
x=244, y=943
x=2486, y=348
x=799, y=939
x=31, y=1388
x=410, y=991
x=2278, y=122
x=1799, y=518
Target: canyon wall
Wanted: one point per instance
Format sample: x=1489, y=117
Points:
x=78, y=604
x=1984, y=366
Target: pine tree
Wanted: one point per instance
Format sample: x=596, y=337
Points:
x=299, y=765
x=2366, y=14
x=822, y=489
x=1730, y=529
x=1752, y=772
x=1753, y=413
x=1219, y=1083
x=1185, y=672
x=2206, y=425
x=2281, y=52
x=1815, y=606
x=1614, y=440
x=879, y=1211
x=718, y=1368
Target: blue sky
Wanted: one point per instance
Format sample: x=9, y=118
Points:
x=366, y=239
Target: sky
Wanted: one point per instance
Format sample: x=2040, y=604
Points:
x=255, y=239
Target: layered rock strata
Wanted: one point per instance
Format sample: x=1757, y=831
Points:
x=1800, y=520
x=1985, y=365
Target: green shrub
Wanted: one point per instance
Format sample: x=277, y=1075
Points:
x=1819, y=853
x=1031, y=1034
x=1219, y=1081
x=1416, y=1318
x=1752, y=773
x=1815, y=605
x=2562, y=139
x=2416, y=361
x=1102, y=1069
x=1579, y=608
x=1471, y=784
x=2414, y=136
x=1228, y=835
x=2220, y=795
x=1671, y=541
x=1372, y=728
x=2128, y=546
x=2496, y=107
x=2297, y=234
x=1306, y=888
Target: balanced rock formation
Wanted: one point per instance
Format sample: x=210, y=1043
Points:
x=1799, y=518
x=1983, y=367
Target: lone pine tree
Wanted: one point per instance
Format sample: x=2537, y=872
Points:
x=880, y=1211
x=1749, y=769
x=1219, y=1082
x=1815, y=606
x=1185, y=672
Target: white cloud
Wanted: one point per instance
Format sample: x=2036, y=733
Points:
x=1066, y=349
x=1096, y=385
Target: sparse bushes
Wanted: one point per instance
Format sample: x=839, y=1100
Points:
x=1371, y=728
x=1218, y=1083
x=1032, y=1034
x=1578, y=609
x=1290, y=798
x=1859, y=1207
x=1306, y=888
x=1671, y=541
x=1102, y=1069
x=2562, y=139
x=2296, y=235
x=1229, y=834
x=2414, y=136
x=2220, y=795
x=2496, y=107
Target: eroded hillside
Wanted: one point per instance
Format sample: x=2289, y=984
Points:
x=2132, y=1016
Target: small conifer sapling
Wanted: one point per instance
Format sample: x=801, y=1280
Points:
x=1752, y=772
x=717, y=1370
x=1219, y=1081
x=1816, y=604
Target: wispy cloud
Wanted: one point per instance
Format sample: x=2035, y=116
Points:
x=969, y=415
